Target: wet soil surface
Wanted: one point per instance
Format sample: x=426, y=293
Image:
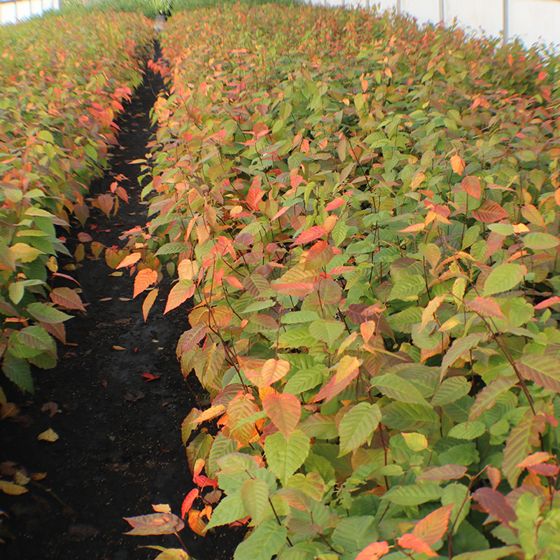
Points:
x=119, y=449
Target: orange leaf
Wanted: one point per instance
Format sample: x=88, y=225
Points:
x=264, y=373
x=471, y=185
x=457, y=164
x=535, y=459
x=412, y=542
x=494, y=476
x=374, y=551
x=414, y=228
x=433, y=527
x=417, y=180
x=129, y=260
x=148, y=303
x=284, y=410
x=178, y=295
x=67, y=298
x=195, y=522
x=367, y=330
x=485, y=306
x=346, y=371
x=144, y=279
x=490, y=212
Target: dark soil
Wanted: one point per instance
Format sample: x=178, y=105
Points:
x=119, y=449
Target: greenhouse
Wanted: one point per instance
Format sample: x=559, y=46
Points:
x=278, y=280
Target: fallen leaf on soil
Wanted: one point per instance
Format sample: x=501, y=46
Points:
x=117, y=347
x=169, y=553
x=106, y=299
x=154, y=524
x=161, y=508
x=50, y=407
x=39, y=476
x=124, y=299
x=48, y=435
x=117, y=273
x=11, y=488
x=150, y=376
x=133, y=396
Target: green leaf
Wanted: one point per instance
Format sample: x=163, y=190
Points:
x=543, y=370
x=398, y=389
x=326, y=331
x=458, y=348
x=47, y=314
x=171, y=249
x=457, y=495
x=467, y=430
x=263, y=543
x=451, y=390
x=486, y=398
x=304, y=380
x=286, y=455
x=413, y=494
x=503, y=278
x=254, y=494
x=18, y=372
x=492, y=554
x=295, y=317
x=540, y=241
x=230, y=509
x=407, y=287
x=357, y=426
x=354, y=533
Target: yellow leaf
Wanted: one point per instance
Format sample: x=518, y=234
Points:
x=11, y=488
x=24, y=253
x=48, y=435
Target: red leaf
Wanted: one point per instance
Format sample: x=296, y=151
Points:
x=495, y=504
x=296, y=289
x=67, y=298
x=471, y=185
x=188, y=501
x=374, y=551
x=486, y=306
x=309, y=235
x=412, y=542
x=150, y=377
x=433, y=527
x=490, y=212
x=254, y=196
x=446, y=472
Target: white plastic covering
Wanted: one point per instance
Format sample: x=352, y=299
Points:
x=533, y=21
x=19, y=10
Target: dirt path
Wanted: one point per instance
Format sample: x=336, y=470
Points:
x=119, y=449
